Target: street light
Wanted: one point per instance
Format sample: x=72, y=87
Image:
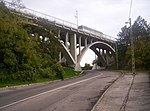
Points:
x=76, y=16
x=132, y=47
x=132, y=44
x=116, y=53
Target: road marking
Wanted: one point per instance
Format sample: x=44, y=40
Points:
x=62, y=87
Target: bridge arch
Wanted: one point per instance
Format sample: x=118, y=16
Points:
x=93, y=46
x=67, y=54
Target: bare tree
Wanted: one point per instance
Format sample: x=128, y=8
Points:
x=18, y=4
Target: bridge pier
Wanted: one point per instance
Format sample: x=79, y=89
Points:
x=107, y=57
x=67, y=40
x=79, y=45
x=77, y=67
x=85, y=42
x=73, y=45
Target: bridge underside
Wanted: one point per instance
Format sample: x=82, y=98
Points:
x=74, y=42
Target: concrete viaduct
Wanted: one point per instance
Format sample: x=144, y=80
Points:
x=73, y=38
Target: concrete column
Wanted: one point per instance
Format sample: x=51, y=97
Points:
x=73, y=45
x=59, y=52
x=77, y=67
x=107, y=57
x=99, y=50
x=79, y=45
x=59, y=56
x=59, y=34
x=66, y=40
x=85, y=42
x=91, y=41
x=103, y=53
x=117, y=55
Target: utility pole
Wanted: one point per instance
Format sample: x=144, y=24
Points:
x=132, y=48
x=117, y=54
x=132, y=43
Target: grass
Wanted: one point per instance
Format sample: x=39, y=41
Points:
x=16, y=83
x=68, y=73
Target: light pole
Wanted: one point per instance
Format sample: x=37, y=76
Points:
x=132, y=43
x=132, y=48
x=77, y=17
x=117, y=54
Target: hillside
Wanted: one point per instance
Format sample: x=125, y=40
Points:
x=27, y=53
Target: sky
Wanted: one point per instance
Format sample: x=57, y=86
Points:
x=107, y=16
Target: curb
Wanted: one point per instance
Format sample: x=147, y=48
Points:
x=34, y=84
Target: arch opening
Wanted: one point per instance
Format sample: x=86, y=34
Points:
x=98, y=48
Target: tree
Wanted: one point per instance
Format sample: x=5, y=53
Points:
x=18, y=4
x=141, y=35
x=17, y=52
x=87, y=67
x=26, y=53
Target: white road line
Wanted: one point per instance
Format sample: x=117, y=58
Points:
x=48, y=92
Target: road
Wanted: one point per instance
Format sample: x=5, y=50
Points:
x=95, y=91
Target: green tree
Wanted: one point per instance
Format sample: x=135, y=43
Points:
x=17, y=52
x=27, y=52
x=141, y=35
x=87, y=66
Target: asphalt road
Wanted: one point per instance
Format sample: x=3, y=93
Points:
x=95, y=91
x=79, y=94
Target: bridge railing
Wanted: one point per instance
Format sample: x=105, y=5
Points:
x=29, y=13
x=35, y=14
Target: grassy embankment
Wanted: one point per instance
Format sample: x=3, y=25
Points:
x=68, y=73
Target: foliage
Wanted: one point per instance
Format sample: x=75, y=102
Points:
x=98, y=62
x=87, y=67
x=141, y=37
x=26, y=52
x=58, y=70
x=68, y=72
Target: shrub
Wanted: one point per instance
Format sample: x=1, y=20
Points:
x=58, y=70
x=45, y=73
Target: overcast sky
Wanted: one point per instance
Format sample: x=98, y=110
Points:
x=107, y=16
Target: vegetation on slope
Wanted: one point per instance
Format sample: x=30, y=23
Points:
x=27, y=53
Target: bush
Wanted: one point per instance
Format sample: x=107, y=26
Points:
x=87, y=67
x=58, y=70
x=45, y=73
